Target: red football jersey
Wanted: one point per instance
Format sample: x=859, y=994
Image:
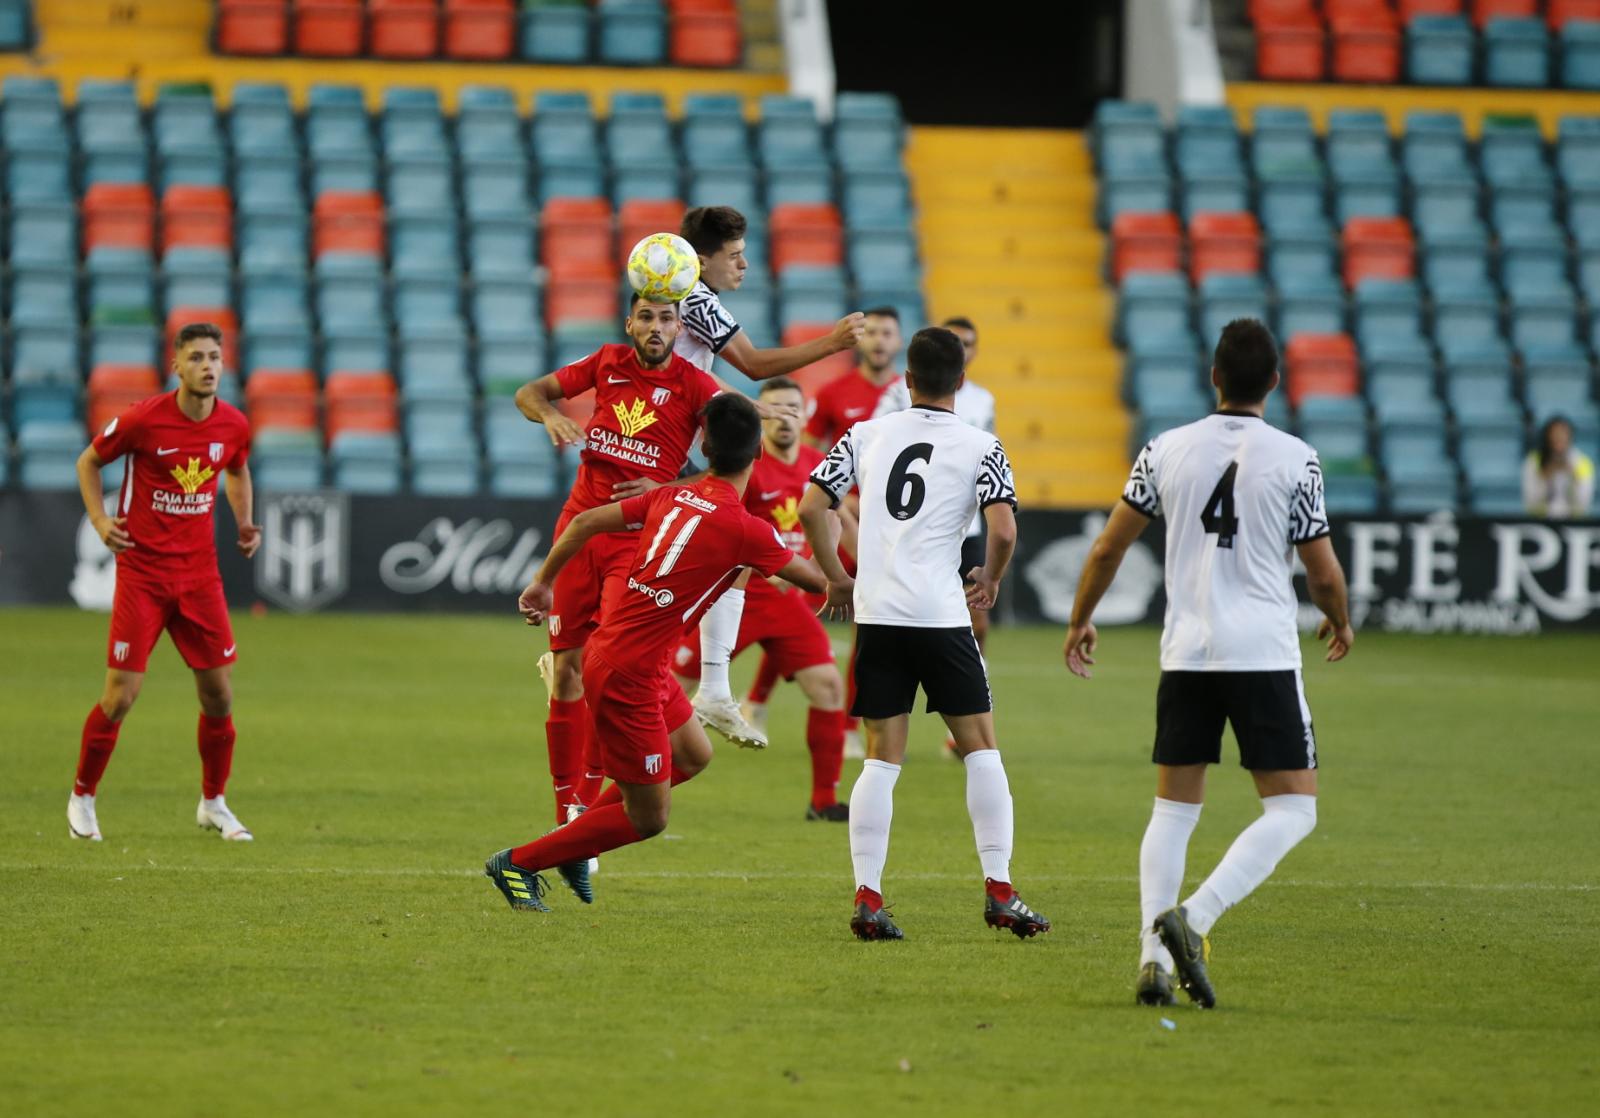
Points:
x=645, y=420
x=692, y=541
x=774, y=495
x=170, y=488
x=841, y=404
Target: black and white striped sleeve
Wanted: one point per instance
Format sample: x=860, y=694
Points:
x=1140, y=492
x=707, y=319
x=835, y=475
x=995, y=481
x=1308, y=514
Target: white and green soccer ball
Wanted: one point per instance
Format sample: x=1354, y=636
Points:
x=663, y=268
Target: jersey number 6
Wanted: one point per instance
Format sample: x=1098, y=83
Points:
x=907, y=490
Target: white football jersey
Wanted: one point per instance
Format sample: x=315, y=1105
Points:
x=1237, y=495
x=923, y=474
x=974, y=405
x=706, y=327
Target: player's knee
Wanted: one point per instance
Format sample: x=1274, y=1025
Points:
x=217, y=702
x=648, y=820
x=117, y=702
x=569, y=678
x=824, y=689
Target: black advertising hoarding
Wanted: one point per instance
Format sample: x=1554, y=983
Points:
x=338, y=551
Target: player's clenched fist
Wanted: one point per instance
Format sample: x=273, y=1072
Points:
x=249, y=539
x=534, y=604
x=848, y=331
x=114, y=531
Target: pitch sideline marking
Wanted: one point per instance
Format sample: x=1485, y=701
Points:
x=757, y=875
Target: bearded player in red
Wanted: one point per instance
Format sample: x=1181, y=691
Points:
x=780, y=619
x=178, y=445
x=647, y=404
x=687, y=544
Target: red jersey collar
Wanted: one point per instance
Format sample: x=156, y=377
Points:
x=709, y=483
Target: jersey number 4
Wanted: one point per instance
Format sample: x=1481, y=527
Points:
x=1218, y=516
x=906, y=490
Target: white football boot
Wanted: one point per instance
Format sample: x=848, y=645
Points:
x=755, y=714
x=722, y=715
x=214, y=815
x=81, y=821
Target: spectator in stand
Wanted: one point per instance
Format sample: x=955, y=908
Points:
x=1557, y=477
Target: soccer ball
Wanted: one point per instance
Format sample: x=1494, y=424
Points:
x=663, y=268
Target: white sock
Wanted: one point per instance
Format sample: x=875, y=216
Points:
x=989, y=804
x=871, y=810
x=719, y=632
x=1285, y=820
x=1161, y=858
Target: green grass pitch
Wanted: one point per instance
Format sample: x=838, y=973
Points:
x=1430, y=949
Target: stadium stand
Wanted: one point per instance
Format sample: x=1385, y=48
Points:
x=388, y=278
x=1505, y=43
x=1436, y=295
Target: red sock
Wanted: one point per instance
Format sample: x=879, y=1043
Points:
x=766, y=679
x=216, y=754
x=825, y=740
x=613, y=794
x=999, y=890
x=601, y=828
x=564, y=734
x=94, y=752
x=593, y=773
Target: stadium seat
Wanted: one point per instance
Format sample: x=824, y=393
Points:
x=348, y=222
x=577, y=230
x=118, y=214
x=196, y=215
x=1516, y=52
x=554, y=34
x=1291, y=47
x=705, y=35
x=1377, y=248
x=1578, y=51
x=1439, y=50
x=1485, y=12
x=1145, y=242
x=252, y=26
x=1225, y=297
x=479, y=30
x=631, y=32
x=806, y=234
x=1223, y=242
x=1321, y=365
x=1365, y=45
x=585, y=293
x=328, y=28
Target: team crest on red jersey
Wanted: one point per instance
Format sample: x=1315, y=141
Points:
x=660, y=396
x=216, y=452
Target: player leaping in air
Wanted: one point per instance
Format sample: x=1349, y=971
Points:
x=709, y=331
x=647, y=403
x=179, y=445
x=685, y=544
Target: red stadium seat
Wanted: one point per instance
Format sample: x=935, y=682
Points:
x=221, y=317
x=196, y=215
x=1223, y=242
x=705, y=39
x=1562, y=12
x=641, y=217
x=583, y=291
x=1485, y=10
x=282, y=398
x=141, y=379
x=348, y=221
x=360, y=402
x=1378, y=247
x=253, y=26
x=1337, y=9
x=806, y=233
x=403, y=28
x=328, y=28
x=817, y=375
x=1321, y=365
x=1268, y=10
x=578, y=231
x=118, y=214
x=1411, y=9
x=1291, y=48
x=1145, y=242
x=1366, y=46
x=484, y=30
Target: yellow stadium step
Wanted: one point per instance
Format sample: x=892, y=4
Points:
x=1008, y=238
x=124, y=13
x=129, y=30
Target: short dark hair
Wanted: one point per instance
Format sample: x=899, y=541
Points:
x=708, y=228
x=935, y=358
x=733, y=433
x=779, y=384
x=1245, y=361
x=961, y=322
x=636, y=299
x=883, y=312
x=194, y=331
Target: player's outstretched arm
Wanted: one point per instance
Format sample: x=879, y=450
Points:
x=1325, y=582
x=536, y=400
x=534, y=604
x=112, y=529
x=805, y=574
x=816, y=512
x=241, y=493
x=763, y=364
x=1001, y=520
x=1105, y=556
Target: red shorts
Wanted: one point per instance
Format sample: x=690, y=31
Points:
x=631, y=719
x=580, y=587
x=783, y=622
x=193, y=610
